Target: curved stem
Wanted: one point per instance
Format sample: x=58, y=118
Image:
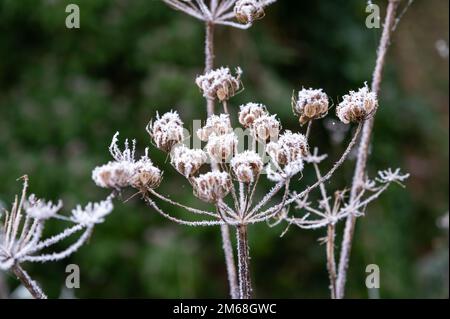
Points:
x=363, y=151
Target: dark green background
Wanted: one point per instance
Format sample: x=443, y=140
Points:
x=64, y=93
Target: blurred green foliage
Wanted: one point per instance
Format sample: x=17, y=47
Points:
x=64, y=93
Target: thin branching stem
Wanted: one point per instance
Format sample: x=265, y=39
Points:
x=28, y=283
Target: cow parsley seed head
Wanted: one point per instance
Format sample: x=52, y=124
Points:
x=114, y=175
x=221, y=147
x=310, y=104
x=212, y=186
x=246, y=166
x=266, y=127
x=250, y=112
x=40, y=209
x=219, y=83
x=247, y=11
x=357, y=106
x=145, y=174
x=290, y=147
x=166, y=131
x=187, y=161
x=92, y=213
x=217, y=124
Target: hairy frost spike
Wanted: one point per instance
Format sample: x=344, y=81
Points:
x=246, y=166
x=217, y=124
x=357, y=106
x=219, y=83
x=92, y=213
x=166, y=131
x=128, y=153
x=250, y=112
x=310, y=105
x=212, y=186
x=221, y=147
x=266, y=127
x=247, y=11
x=186, y=161
x=39, y=209
x=290, y=147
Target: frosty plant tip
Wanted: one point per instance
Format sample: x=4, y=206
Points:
x=21, y=233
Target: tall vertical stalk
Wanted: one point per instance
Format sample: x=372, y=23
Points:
x=363, y=151
x=224, y=229
x=245, y=286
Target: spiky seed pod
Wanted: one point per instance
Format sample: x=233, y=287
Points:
x=311, y=104
x=146, y=175
x=222, y=147
x=250, y=112
x=289, y=148
x=246, y=166
x=247, y=11
x=219, y=83
x=357, y=106
x=187, y=161
x=217, y=124
x=266, y=127
x=166, y=131
x=212, y=186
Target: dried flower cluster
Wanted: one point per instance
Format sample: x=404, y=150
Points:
x=310, y=104
x=357, y=106
x=219, y=83
x=247, y=11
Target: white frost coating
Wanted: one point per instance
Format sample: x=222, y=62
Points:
x=217, y=124
x=92, y=213
x=187, y=161
x=39, y=209
x=219, y=83
x=166, y=131
x=222, y=147
x=246, y=166
x=357, y=106
x=250, y=112
x=212, y=186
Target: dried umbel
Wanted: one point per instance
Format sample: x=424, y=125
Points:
x=187, y=161
x=266, y=127
x=250, y=112
x=212, y=186
x=166, y=131
x=222, y=147
x=92, y=213
x=125, y=171
x=217, y=124
x=357, y=106
x=247, y=11
x=310, y=104
x=219, y=83
x=246, y=166
x=290, y=147
x=39, y=209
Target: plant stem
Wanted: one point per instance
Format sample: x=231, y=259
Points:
x=245, y=286
x=28, y=283
x=363, y=151
x=3, y=287
x=224, y=229
x=331, y=261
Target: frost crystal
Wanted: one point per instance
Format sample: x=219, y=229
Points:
x=357, y=106
x=219, y=83
x=311, y=104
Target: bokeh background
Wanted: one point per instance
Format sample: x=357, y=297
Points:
x=64, y=93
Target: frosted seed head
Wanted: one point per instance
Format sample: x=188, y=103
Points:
x=246, y=166
x=250, y=112
x=266, y=127
x=92, y=213
x=357, y=106
x=219, y=83
x=40, y=209
x=187, y=161
x=290, y=148
x=310, y=104
x=222, y=147
x=212, y=186
x=217, y=124
x=145, y=174
x=114, y=175
x=166, y=131
x=247, y=11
